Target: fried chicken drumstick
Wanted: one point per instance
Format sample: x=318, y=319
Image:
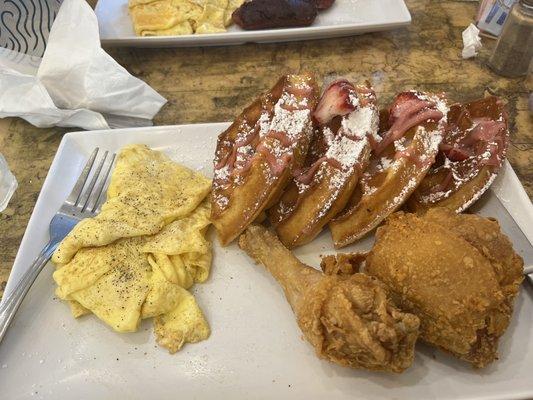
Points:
x=348, y=320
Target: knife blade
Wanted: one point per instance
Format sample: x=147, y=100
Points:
x=490, y=206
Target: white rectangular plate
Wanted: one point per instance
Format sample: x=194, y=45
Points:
x=255, y=350
x=344, y=18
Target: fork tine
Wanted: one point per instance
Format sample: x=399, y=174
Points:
x=80, y=183
x=84, y=198
x=94, y=202
x=103, y=197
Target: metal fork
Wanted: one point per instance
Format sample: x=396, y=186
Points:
x=83, y=202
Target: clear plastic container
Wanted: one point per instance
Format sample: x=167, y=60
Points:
x=8, y=183
x=514, y=50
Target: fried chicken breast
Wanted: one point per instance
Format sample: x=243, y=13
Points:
x=458, y=273
x=347, y=319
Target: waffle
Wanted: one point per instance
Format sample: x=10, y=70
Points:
x=413, y=129
x=471, y=154
x=339, y=152
x=257, y=154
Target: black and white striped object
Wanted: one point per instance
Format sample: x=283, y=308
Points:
x=25, y=24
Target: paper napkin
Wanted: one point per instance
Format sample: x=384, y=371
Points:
x=471, y=41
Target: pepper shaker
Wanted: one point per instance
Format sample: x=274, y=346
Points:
x=513, y=52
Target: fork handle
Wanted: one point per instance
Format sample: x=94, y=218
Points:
x=12, y=302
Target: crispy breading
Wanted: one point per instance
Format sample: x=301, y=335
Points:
x=457, y=273
x=348, y=320
x=342, y=263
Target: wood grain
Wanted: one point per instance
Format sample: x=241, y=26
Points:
x=214, y=84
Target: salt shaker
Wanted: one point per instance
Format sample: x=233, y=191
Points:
x=8, y=183
x=513, y=52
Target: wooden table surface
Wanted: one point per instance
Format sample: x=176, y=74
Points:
x=214, y=84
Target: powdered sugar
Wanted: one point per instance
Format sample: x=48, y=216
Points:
x=222, y=174
x=302, y=187
x=221, y=177
x=365, y=184
x=435, y=140
x=221, y=201
x=302, y=86
x=370, y=190
x=243, y=133
x=353, y=99
x=327, y=205
x=375, y=136
x=386, y=163
x=337, y=180
x=291, y=100
x=434, y=197
x=357, y=125
x=478, y=194
x=443, y=108
x=400, y=198
x=346, y=151
x=487, y=154
x=283, y=209
x=440, y=104
x=328, y=135
x=275, y=150
x=361, y=122
x=244, y=153
x=292, y=123
x=400, y=144
x=431, y=140
x=264, y=124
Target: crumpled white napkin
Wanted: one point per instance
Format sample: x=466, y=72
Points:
x=471, y=41
x=76, y=83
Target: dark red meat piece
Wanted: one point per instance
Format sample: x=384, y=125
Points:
x=266, y=14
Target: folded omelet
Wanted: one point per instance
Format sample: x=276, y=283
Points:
x=146, y=192
x=181, y=17
x=182, y=320
x=181, y=249
x=163, y=18
x=184, y=324
x=111, y=281
x=138, y=257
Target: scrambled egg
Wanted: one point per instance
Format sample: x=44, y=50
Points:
x=146, y=192
x=181, y=251
x=148, y=245
x=181, y=17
